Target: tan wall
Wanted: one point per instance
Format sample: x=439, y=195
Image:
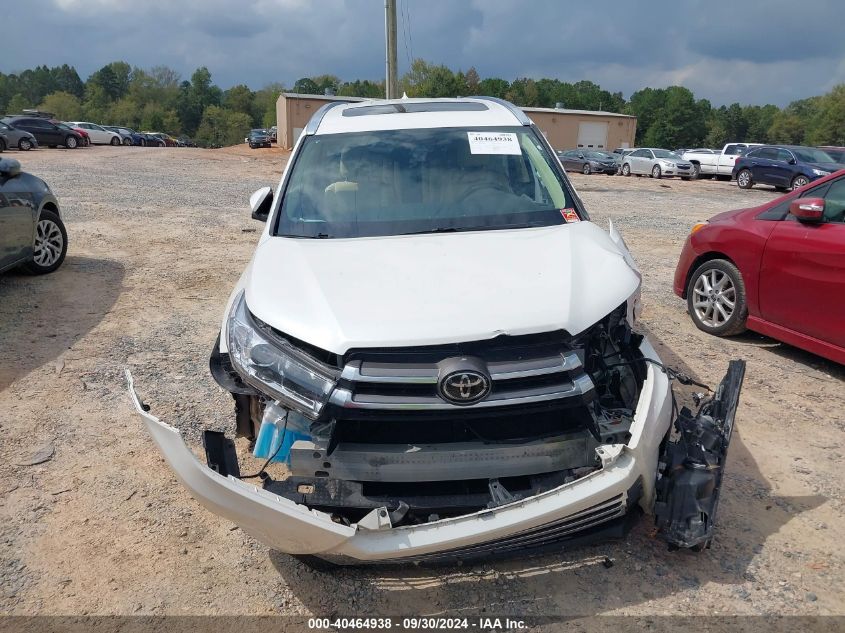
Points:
x=562, y=128
x=293, y=114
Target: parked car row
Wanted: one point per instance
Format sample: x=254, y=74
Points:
x=33, y=128
x=781, y=166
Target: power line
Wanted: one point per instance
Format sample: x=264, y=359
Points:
x=403, y=7
x=410, y=29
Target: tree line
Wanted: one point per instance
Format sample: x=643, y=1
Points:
x=159, y=99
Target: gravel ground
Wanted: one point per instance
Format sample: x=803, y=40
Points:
x=159, y=237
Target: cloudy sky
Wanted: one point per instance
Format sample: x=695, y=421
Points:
x=758, y=51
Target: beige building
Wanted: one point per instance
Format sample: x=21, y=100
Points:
x=568, y=129
x=565, y=129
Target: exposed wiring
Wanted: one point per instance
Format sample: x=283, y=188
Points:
x=276, y=452
x=673, y=374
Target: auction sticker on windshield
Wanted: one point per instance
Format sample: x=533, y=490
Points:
x=493, y=143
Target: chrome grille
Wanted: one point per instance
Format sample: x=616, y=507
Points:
x=412, y=386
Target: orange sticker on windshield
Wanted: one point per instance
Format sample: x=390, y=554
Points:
x=570, y=215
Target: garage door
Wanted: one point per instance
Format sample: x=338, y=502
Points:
x=592, y=135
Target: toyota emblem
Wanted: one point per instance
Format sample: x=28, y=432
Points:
x=465, y=386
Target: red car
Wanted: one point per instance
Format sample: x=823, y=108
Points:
x=777, y=269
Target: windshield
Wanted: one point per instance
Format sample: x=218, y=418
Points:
x=812, y=155
x=395, y=182
x=664, y=153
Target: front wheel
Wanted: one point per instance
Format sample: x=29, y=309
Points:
x=127, y=141
x=799, y=181
x=587, y=171
x=696, y=171
x=115, y=140
x=2, y=145
x=71, y=142
x=25, y=144
x=716, y=298
x=743, y=179
x=656, y=173
x=50, y=244
x=626, y=169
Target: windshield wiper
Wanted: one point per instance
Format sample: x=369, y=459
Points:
x=486, y=227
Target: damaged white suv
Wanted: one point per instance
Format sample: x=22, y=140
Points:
x=442, y=348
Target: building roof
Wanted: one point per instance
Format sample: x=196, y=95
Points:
x=297, y=95
x=584, y=112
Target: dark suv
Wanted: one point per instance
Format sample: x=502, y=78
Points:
x=45, y=132
x=782, y=166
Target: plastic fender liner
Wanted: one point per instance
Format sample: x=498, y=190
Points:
x=688, y=488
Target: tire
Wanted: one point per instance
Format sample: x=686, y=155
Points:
x=743, y=179
x=2, y=145
x=686, y=177
x=696, y=171
x=114, y=141
x=142, y=143
x=24, y=145
x=162, y=144
x=656, y=173
x=626, y=169
x=799, y=181
x=50, y=245
x=127, y=141
x=716, y=298
x=586, y=170
x=71, y=142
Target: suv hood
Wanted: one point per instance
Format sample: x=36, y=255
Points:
x=339, y=294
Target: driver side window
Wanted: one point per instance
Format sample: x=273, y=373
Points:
x=834, y=202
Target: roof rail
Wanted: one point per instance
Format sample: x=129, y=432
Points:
x=317, y=117
x=519, y=114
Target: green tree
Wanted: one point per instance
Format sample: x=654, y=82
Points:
x=679, y=123
x=264, y=104
x=239, y=99
x=494, y=87
x=63, y=104
x=524, y=92
x=365, y=88
x=66, y=79
x=306, y=86
x=826, y=125
x=429, y=80
x=220, y=127
x=126, y=112
x=322, y=82
x=17, y=103
x=106, y=83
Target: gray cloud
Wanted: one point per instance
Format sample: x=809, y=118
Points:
x=747, y=52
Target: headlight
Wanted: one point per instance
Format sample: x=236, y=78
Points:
x=275, y=367
x=820, y=172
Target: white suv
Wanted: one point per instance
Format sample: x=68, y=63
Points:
x=441, y=347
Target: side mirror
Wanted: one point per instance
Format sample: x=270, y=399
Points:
x=260, y=203
x=807, y=209
x=9, y=167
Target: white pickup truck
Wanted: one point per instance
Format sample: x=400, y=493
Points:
x=719, y=164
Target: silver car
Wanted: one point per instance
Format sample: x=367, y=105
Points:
x=657, y=163
x=12, y=137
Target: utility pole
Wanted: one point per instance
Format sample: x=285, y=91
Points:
x=391, y=85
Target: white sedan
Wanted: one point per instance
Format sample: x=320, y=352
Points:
x=98, y=134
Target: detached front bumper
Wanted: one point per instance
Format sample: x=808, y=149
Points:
x=628, y=471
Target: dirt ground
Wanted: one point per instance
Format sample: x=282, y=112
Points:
x=158, y=237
